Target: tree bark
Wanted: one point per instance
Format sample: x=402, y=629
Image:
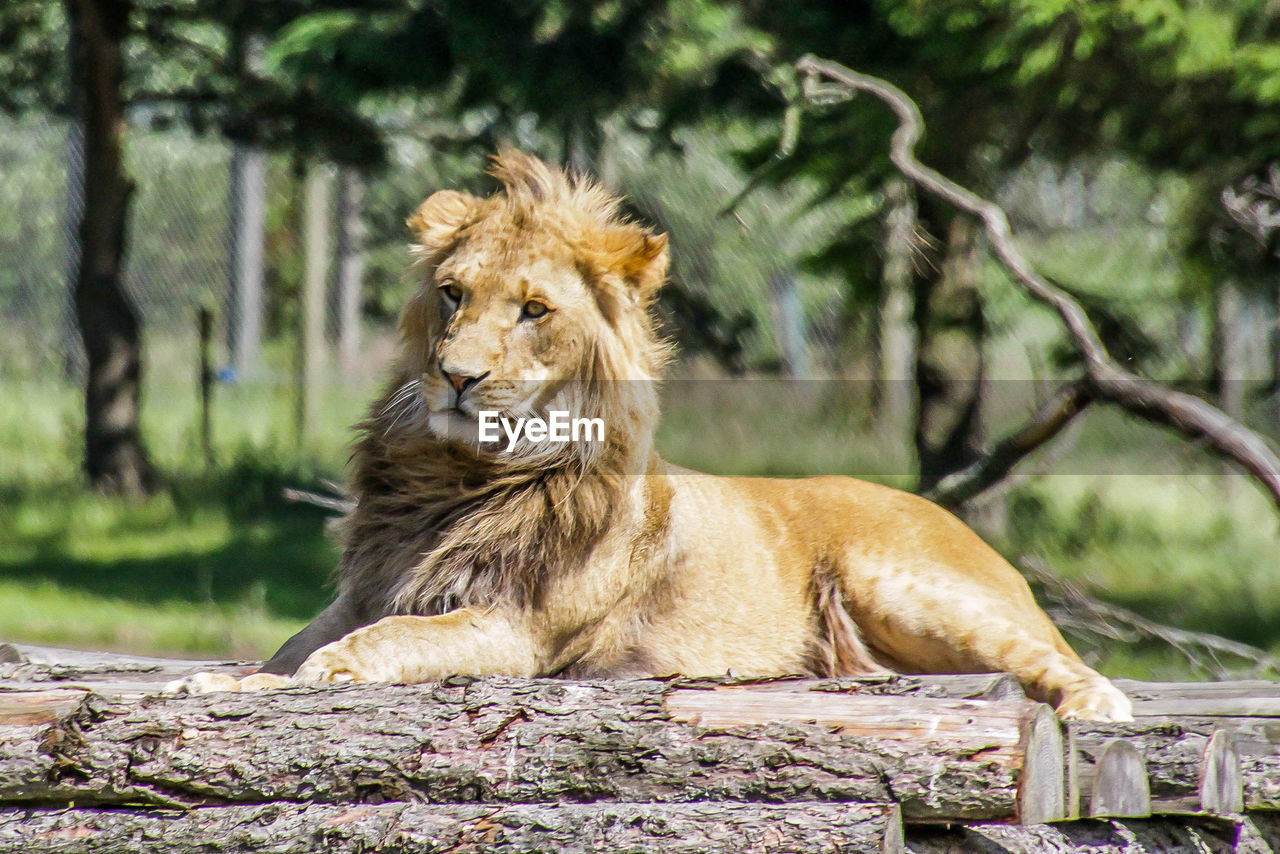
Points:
x=406, y=828
x=115, y=458
x=532, y=741
x=1126, y=836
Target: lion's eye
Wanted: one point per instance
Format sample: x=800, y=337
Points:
x=452, y=291
x=533, y=308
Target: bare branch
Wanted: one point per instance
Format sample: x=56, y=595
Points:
x=1075, y=610
x=1105, y=379
x=335, y=503
x=995, y=465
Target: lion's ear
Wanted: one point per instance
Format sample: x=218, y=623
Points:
x=640, y=258
x=438, y=220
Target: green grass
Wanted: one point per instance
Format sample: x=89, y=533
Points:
x=216, y=564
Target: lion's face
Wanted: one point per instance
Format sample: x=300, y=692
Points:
x=533, y=299
x=516, y=321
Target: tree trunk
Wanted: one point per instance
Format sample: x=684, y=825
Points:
x=1273, y=342
x=1228, y=349
x=115, y=458
x=950, y=368
x=895, y=396
x=790, y=326
x=496, y=828
x=350, y=267
x=248, y=204
x=310, y=354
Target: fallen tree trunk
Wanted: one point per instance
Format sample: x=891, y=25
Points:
x=534, y=741
x=412, y=828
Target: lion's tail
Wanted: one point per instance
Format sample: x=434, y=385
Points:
x=839, y=649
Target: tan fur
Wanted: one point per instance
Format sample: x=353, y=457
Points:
x=593, y=559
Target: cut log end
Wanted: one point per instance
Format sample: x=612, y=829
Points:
x=1042, y=791
x=1121, y=787
x=1221, y=785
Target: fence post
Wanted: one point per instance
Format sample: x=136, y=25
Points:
x=350, y=267
x=205, y=324
x=247, y=205
x=75, y=363
x=316, y=252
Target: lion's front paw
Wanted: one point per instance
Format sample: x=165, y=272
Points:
x=206, y=683
x=1102, y=702
x=341, y=661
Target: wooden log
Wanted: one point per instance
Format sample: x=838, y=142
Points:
x=511, y=740
x=26, y=668
x=1265, y=827
x=1193, y=766
x=32, y=668
x=1116, y=836
x=407, y=828
x=1236, y=699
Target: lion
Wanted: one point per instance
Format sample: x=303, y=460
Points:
x=600, y=559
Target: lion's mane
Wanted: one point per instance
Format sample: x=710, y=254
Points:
x=437, y=524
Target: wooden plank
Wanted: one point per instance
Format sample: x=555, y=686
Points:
x=479, y=828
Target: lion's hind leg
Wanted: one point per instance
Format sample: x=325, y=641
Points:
x=927, y=617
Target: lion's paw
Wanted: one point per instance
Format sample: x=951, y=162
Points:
x=203, y=683
x=207, y=683
x=1101, y=702
x=338, y=662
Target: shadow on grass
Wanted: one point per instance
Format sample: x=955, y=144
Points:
x=226, y=537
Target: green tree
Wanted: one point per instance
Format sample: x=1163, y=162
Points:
x=1175, y=84
x=98, y=59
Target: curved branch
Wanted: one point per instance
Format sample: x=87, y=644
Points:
x=1050, y=420
x=1105, y=379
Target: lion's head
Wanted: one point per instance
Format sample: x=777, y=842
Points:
x=532, y=300
x=536, y=298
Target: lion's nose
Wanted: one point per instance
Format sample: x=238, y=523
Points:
x=460, y=381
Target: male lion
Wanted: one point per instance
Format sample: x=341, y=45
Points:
x=599, y=558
